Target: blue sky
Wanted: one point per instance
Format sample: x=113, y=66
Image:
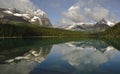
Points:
x=55, y=8
x=70, y=11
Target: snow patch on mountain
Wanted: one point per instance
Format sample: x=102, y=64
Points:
x=32, y=16
x=110, y=24
x=70, y=27
x=34, y=19
x=8, y=12
x=98, y=26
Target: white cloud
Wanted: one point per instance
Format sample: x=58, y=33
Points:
x=74, y=8
x=73, y=14
x=87, y=11
x=100, y=12
x=63, y=22
x=18, y=4
x=83, y=55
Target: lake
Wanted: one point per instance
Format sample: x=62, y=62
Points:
x=59, y=56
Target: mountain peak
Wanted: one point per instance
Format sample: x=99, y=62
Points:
x=33, y=16
x=101, y=25
x=103, y=21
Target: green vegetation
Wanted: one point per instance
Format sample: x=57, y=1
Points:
x=12, y=47
x=23, y=29
x=20, y=29
x=115, y=42
x=113, y=32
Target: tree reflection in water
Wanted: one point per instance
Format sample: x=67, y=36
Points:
x=86, y=57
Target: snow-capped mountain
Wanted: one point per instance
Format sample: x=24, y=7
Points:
x=36, y=55
x=84, y=56
x=33, y=16
x=93, y=44
x=103, y=21
x=98, y=26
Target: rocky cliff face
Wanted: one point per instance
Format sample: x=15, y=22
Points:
x=32, y=16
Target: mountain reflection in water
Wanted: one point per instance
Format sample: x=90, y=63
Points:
x=75, y=57
x=25, y=63
x=21, y=56
x=86, y=57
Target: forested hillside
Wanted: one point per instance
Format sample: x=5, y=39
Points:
x=20, y=29
x=113, y=32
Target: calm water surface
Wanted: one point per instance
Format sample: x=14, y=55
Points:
x=51, y=56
